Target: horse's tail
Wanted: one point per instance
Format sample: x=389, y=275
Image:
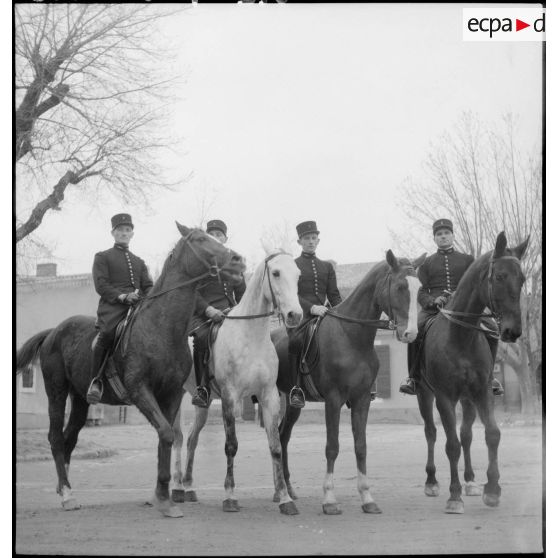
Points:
x=28, y=352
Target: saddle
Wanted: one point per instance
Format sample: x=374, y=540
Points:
x=121, y=338
x=308, y=354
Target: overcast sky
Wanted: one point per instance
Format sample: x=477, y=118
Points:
x=310, y=112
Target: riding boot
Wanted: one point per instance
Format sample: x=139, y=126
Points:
x=296, y=395
x=409, y=385
x=95, y=391
x=497, y=388
x=201, y=397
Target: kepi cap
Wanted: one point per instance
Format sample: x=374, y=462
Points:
x=216, y=224
x=442, y=224
x=307, y=227
x=121, y=219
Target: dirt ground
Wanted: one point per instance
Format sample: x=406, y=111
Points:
x=115, y=476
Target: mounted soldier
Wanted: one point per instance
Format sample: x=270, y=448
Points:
x=121, y=279
x=439, y=276
x=317, y=290
x=214, y=299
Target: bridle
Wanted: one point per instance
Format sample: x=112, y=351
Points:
x=276, y=306
x=391, y=323
x=213, y=270
x=494, y=313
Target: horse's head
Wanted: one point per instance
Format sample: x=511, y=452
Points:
x=204, y=254
x=398, y=298
x=281, y=286
x=504, y=282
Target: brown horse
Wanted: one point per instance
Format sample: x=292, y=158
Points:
x=458, y=363
x=153, y=366
x=348, y=365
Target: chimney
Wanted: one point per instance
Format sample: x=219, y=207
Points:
x=46, y=270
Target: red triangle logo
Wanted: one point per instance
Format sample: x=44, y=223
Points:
x=519, y=25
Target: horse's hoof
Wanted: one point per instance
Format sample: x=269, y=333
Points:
x=230, y=505
x=276, y=498
x=432, y=489
x=455, y=506
x=71, y=504
x=331, y=509
x=491, y=500
x=190, y=496
x=172, y=511
x=288, y=508
x=371, y=507
x=472, y=489
x=178, y=495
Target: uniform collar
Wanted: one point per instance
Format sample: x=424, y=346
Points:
x=448, y=251
x=122, y=247
x=308, y=255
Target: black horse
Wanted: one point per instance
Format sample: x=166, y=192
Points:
x=348, y=365
x=152, y=366
x=458, y=364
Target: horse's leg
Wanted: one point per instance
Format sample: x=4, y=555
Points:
x=230, y=504
x=200, y=418
x=492, y=490
x=178, y=488
x=269, y=401
x=76, y=421
x=446, y=409
x=359, y=416
x=56, y=387
x=145, y=401
x=332, y=413
x=285, y=430
x=466, y=435
x=425, y=400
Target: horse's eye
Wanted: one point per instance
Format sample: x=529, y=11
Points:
x=500, y=276
x=400, y=288
x=276, y=273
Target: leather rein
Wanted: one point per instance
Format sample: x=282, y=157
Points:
x=389, y=324
x=450, y=315
x=213, y=270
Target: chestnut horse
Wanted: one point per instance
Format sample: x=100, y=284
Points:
x=348, y=365
x=153, y=366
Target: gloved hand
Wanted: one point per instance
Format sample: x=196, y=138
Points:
x=440, y=301
x=318, y=310
x=214, y=314
x=132, y=298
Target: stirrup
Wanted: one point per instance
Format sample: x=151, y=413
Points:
x=373, y=395
x=95, y=391
x=296, y=397
x=497, y=388
x=409, y=386
x=201, y=397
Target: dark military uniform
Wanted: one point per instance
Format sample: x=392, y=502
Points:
x=317, y=283
x=117, y=271
x=219, y=295
x=440, y=272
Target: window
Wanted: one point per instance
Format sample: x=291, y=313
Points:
x=383, y=380
x=28, y=379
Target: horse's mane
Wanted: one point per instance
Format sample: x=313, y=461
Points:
x=371, y=275
x=170, y=262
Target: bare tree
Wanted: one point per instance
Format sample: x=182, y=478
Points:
x=91, y=97
x=479, y=178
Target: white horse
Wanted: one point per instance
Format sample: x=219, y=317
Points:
x=244, y=362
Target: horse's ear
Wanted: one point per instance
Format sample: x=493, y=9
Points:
x=519, y=250
x=500, y=248
x=392, y=260
x=266, y=247
x=184, y=231
x=419, y=261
